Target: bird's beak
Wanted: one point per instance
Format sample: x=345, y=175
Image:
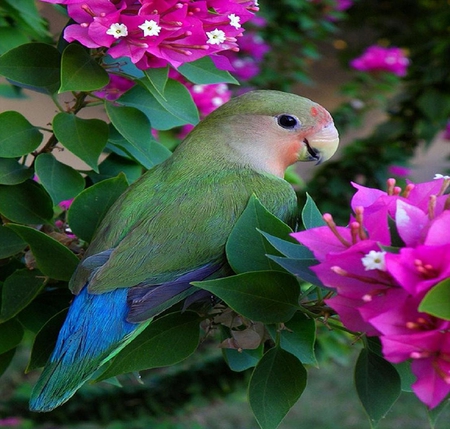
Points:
x=321, y=145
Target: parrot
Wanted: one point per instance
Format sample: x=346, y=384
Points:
x=170, y=227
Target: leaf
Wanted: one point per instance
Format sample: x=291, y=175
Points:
x=292, y=249
x=10, y=243
x=263, y=296
x=34, y=66
x=18, y=290
x=437, y=300
x=59, y=180
x=311, y=216
x=45, y=341
x=26, y=203
x=11, y=334
x=13, y=173
x=299, y=267
x=377, y=383
x=5, y=360
x=90, y=206
x=85, y=138
x=158, y=78
x=241, y=360
x=161, y=118
x=17, y=136
x=53, y=259
x=298, y=338
x=80, y=72
x=115, y=164
x=246, y=248
x=434, y=413
x=203, y=71
x=276, y=384
x=134, y=126
x=166, y=341
x=177, y=100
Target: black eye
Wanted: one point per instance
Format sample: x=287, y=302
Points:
x=287, y=121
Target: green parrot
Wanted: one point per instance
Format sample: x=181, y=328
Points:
x=170, y=227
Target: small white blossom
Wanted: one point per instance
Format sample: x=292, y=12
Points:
x=374, y=261
x=441, y=176
x=215, y=37
x=117, y=30
x=150, y=28
x=234, y=20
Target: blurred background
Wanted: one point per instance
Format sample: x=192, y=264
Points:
x=391, y=105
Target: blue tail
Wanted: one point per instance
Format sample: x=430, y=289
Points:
x=95, y=329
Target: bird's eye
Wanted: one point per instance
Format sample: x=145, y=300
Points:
x=287, y=121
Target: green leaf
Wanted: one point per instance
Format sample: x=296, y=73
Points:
x=241, y=360
x=11, y=334
x=13, y=173
x=276, y=384
x=11, y=37
x=26, y=202
x=246, y=248
x=53, y=259
x=298, y=338
x=19, y=289
x=311, y=215
x=437, y=301
x=299, y=267
x=115, y=164
x=5, y=360
x=80, y=72
x=59, y=180
x=177, y=110
x=377, y=383
x=17, y=136
x=134, y=126
x=45, y=341
x=10, y=243
x=158, y=78
x=86, y=138
x=203, y=71
x=33, y=65
x=91, y=205
x=177, y=100
x=263, y=296
x=292, y=249
x=166, y=341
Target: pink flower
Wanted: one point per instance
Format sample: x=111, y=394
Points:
x=154, y=33
x=379, y=288
x=380, y=59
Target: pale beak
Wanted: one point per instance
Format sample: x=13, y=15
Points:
x=320, y=146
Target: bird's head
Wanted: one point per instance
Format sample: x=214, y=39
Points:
x=270, y=130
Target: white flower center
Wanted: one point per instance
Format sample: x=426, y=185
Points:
x=234, y=20
x=117, y=30
x=150, y=28
x=215, y=37
x=374, y=261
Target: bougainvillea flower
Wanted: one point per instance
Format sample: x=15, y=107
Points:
x=377, y=58
x=154, y=33
x=418, y=269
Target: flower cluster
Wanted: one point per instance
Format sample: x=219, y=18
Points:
x=380, y=59
x=395, y=249
x=154, y=33
x=252, y=48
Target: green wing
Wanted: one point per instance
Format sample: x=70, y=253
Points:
x=171, y=223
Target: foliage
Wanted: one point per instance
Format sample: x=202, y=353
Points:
x=418, y=110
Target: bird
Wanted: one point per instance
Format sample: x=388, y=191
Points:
x=170, y=227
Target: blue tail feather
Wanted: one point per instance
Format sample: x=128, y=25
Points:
x=94, y=329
